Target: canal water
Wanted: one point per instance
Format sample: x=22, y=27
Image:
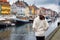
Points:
x=23, y=32
x=20, y=32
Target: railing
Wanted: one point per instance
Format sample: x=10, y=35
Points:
x=52, y=30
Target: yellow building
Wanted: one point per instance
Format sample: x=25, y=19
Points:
x=33, y=9
x=5, y=8
x=26, y=11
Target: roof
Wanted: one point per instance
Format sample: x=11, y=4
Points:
x=33, y=6
x=43, y=8
x=21, y=3
x=3, y=0
x=5, y=3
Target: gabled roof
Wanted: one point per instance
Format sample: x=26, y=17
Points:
x=3, y=0
x=43, y=8
x=21, y=4
x=5, y=3
x=33, y=6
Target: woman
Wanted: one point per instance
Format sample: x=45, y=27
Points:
x=40, y=25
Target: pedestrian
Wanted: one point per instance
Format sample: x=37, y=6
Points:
x=40, y=26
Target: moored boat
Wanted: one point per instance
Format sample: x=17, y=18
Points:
x=22, y=19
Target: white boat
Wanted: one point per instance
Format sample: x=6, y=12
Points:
x=22, y=19
x=5, y=20
x=2, y=18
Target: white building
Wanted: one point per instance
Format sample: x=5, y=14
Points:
x=19, y=8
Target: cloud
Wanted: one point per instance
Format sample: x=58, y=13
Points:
x=50, y=6
x=59, y=3
x=37, y=2
x=12, y=1
x=30, y=1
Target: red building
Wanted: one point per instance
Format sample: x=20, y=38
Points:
x=3, y=0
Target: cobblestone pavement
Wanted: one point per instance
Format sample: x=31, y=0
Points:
x=56, y=35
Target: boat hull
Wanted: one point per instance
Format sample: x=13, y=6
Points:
x=21, y=22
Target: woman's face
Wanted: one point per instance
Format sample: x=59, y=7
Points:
x=41, y=17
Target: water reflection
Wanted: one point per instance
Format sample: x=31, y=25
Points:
x=23, y=29
x=23, y=32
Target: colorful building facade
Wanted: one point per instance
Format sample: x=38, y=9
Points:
x=33, y=9
x=4, y=8
x=3, y=0
x=19, y=8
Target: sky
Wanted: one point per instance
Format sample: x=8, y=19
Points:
x=37, y=2
x=50, y=4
